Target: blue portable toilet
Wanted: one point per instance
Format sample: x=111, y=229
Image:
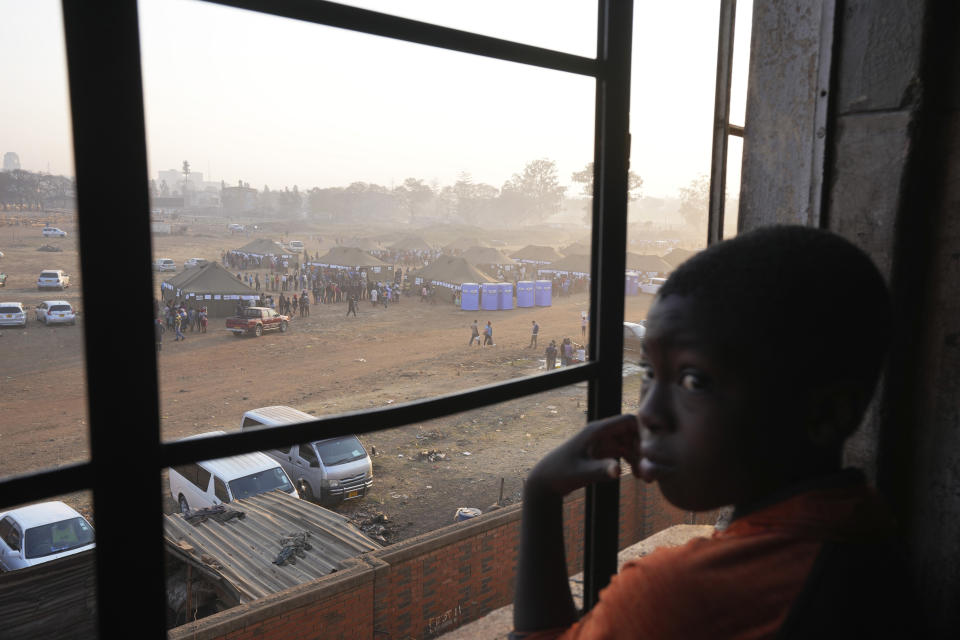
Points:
x=470, y=296
x=631, y=283
x=543, y=293
x=506, y=295
x=490, y=296
x=525, y=293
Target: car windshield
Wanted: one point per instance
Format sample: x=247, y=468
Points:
x=60, y=307
x=9, y=309
x=259, y=483
x=57, y=537
x=339, y=450
x=49, y=274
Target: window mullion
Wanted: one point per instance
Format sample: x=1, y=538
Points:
x=103, y=61
x=611, y=164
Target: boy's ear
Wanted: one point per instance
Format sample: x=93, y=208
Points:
x=833, y=414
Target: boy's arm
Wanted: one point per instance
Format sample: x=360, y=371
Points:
x=542, y=599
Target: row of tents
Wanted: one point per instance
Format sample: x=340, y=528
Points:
x=219, y=290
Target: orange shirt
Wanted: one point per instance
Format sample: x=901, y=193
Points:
x=739, y=583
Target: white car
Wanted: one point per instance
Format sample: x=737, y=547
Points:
x=55, y=311
x=53, y=279
x=235, y=227
x=53, y=232
x=295, y=246
x=12, y=314
x=41, y=533
x=195, y=262
x=164, y=264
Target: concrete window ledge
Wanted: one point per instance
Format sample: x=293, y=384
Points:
x=497, y=624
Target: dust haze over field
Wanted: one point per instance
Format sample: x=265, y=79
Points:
x=325, y=364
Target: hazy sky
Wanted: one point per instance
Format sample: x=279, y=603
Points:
x=275, y=102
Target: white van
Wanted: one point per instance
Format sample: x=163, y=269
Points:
x=295, y=246
x=653, y=285
x=330, y=470
x=209, y=482
x=164, y=264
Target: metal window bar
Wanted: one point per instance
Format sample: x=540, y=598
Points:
x=721, y=122
x=103, y=58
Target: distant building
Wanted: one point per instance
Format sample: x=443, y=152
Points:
x=174, y=180
x=11, y=161
x=238, y=200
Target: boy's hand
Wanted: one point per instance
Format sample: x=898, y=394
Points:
x=590, y=456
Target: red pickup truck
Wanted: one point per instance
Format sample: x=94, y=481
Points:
x=256, y=320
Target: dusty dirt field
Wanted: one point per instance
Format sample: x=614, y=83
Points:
x=325, y=364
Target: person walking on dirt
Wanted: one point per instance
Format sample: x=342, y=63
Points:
x=295, y=304
x=196, y=318
x=203, y=319
x=474, y=334
x=583, y=324
x=177, y=323
x=352, y=306
x=488, y=335
x=551, y=354
x=533, y=335
x=373, y=297
x=567, y=353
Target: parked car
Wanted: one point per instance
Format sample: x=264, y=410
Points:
x=53, y=232
x=40, y=533
x=12, y=314
x=210, y=482
x=55, y=312
x=633, y=333
x=3, y=279
x=328, y=470
x=234, y=227
x=195, y=262
x=53, y=279
x=295, y=246
x=255, y=320
x=652, y=285
x=164, y=264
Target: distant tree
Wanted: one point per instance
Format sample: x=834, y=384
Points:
x=6, y=190
x=475, y=202
x=415, y=197
x=535, y=194
x=585, y=178
x=694, y=201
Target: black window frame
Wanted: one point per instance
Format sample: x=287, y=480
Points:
x=106, y=98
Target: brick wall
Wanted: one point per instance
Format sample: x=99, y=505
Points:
x=425, y=586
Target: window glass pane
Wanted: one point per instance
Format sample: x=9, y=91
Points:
x=562, y=25
x=400, y=163
x=32, y=536
x=741, y=62
x=42, y=371
x=418, y=478
x=732, y=202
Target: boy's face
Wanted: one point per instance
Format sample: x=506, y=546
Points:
x=701, y=421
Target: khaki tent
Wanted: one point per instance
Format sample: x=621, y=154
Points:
x=261, y=247
x=536, y=254
x=573, y=264
x=676, y=256
x=486, y=255
x=449, y=271
x=364, y=244
x=411, y=243
x=649, y=265
x=354, y=259
x=211, y=286
x=576, y=249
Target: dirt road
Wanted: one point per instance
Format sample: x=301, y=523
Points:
x=325, y=364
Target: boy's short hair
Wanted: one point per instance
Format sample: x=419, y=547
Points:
x=804, y=302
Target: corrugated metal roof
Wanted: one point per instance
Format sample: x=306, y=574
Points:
x=242, y=551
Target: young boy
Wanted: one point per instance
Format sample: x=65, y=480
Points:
x=760, y=358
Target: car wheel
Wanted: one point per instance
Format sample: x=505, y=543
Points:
x=305, y=491
x=184, y=507
x=283, y=327
x=258, y=331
